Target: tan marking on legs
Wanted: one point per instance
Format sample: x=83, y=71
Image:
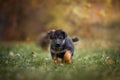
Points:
x=55, y=59
x=67, y=57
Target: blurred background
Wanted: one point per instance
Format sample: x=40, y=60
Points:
x=25, y=23
x=26, y=20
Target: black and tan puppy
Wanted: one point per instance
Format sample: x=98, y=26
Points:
x=61, y=46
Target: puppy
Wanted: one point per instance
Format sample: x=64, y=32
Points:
x=61, y=46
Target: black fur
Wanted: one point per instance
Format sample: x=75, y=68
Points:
x=59, y=43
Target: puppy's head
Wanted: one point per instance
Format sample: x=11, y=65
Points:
x=57, y=38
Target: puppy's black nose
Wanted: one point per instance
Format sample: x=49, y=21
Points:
x=57, y=45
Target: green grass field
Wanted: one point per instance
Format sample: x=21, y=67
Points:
x=26, y=61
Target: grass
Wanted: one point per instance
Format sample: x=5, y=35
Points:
x=26, y=61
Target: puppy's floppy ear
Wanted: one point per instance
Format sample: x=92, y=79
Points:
x=51, y=34
x=64, y=33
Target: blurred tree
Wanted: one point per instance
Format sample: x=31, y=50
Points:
x=13, y=19
x=20, y=18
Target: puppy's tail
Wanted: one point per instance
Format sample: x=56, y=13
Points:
x=75, y=39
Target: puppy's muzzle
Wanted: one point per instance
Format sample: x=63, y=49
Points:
x=57, y=45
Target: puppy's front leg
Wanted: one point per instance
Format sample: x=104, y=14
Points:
x=54, y=58
x=67, y=57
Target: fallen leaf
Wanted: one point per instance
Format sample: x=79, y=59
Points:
x=110, y=61
x=11, y=54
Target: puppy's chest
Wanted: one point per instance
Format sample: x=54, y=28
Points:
x=58, y=51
